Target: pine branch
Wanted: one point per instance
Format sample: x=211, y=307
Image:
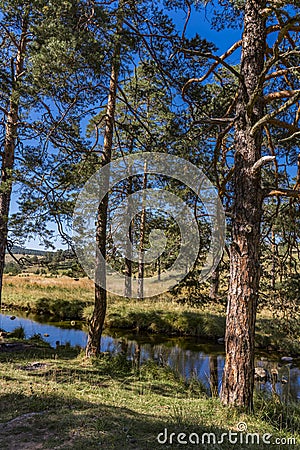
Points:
x=274, y=113
x=282, y=192
x=219, y=60
x=280, y=94
x=261, y=162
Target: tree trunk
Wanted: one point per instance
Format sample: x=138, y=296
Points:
x=273, y=271
x=97, y=321
x=214, y=284
x=128, y=256
x=141, y=264
x=238, y=375
x=158, y=268
x=10, y=139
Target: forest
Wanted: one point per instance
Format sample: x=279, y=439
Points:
x=150, y=155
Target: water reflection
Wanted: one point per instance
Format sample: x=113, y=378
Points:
x=190, y=357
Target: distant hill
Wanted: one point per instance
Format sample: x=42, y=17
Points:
x=17, y=250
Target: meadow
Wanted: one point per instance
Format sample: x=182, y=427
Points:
x=56, y=399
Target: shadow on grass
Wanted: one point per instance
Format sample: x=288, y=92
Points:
x=56, y=423
x=59, y=308
x=102, y=405
x=186, y=323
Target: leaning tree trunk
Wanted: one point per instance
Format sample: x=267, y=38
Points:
x=8, y=154
x=97, y=320
x=238, y=375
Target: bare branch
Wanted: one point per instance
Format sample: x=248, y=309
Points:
x=281, y=124
x=219, y=60
x=188, y=16
x=280, y=94
x=213, y=120
x=10, y=35
x=272, y=150
x=261, y=162
x=282, y=72
x=274, y=113
x=4, y=110
x=277, y=27
x=296, y=134
x=283, y=192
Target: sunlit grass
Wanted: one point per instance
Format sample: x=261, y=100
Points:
x=71, y=402
x=64, y=298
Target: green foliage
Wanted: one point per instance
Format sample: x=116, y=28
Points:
x=115, y=366
x=18, y=333
x=59, y=308
x=12, y=268
x=37, y=340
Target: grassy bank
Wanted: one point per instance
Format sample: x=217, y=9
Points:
x=59, y=400
x=68, y=299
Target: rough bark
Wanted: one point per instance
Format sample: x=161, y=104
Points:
x=238, y=375
x=97, y=320
x=10, y=140
x=273, y=270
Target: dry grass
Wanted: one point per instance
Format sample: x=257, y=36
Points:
x=19, y=290
x=23, y=280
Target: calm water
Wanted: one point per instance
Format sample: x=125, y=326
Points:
x=188, y=356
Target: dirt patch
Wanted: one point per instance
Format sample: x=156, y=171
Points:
x=14, y=436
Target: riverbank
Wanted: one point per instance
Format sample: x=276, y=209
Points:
x=67, y=299
x=56, y=399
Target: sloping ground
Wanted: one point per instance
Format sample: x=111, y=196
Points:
x=58, y=400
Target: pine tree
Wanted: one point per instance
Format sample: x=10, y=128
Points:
x=266, y=97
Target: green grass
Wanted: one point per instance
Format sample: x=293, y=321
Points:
x=67, y=299
x=73, y=403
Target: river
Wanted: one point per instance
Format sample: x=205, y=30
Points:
x=190, y=357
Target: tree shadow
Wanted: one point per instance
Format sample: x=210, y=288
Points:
x=58, y=423
x=186, y=323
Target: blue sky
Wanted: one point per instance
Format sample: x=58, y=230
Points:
x=199, y=23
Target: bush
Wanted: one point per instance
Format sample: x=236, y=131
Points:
x=18, y=333
x=12, y=268
x=59, y=308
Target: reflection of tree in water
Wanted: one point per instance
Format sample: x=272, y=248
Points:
x=282, y=379
x=295, y=383
x=213, y=375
